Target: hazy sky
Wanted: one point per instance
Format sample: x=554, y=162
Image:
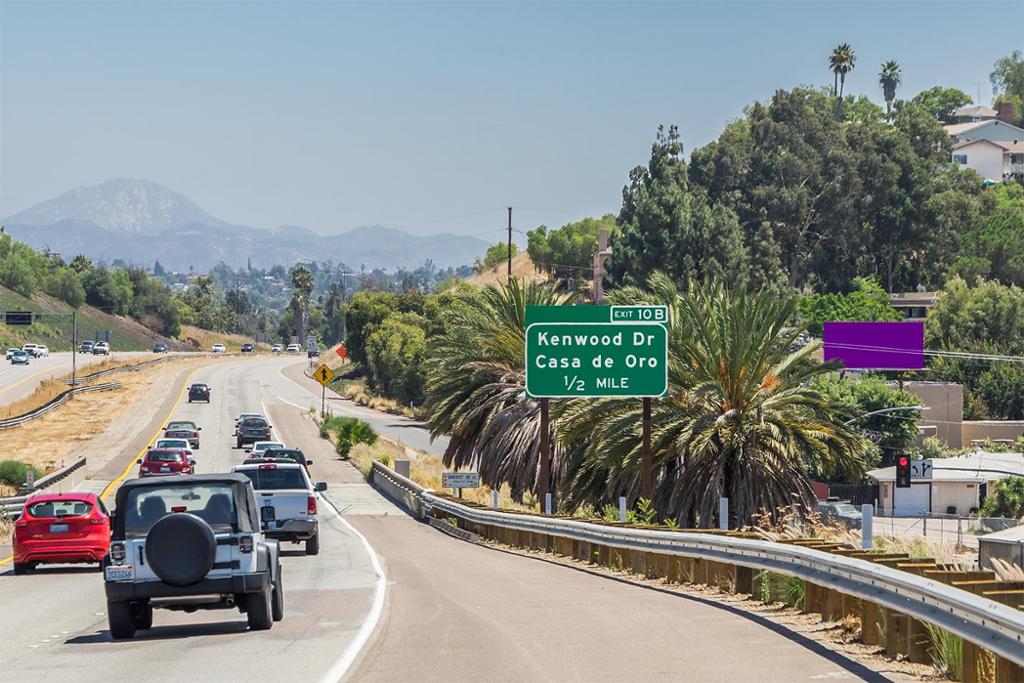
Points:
x=428, y=117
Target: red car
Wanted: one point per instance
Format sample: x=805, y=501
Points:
x=59, y=528
x=161, y=462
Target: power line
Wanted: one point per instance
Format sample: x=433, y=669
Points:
x=938, y=353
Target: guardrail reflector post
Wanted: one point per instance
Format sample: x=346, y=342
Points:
x=723, y=514
x=494, y=499
x=547, y=503
x=867, y=511
x=622, y=508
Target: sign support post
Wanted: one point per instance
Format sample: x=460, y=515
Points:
x=545, y=452
x=74, y=349
x=646, y=475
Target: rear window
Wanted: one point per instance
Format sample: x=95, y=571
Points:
x=181, y=426
x=164, y=456
x=143, y=507
x=254, y=423
x=200, y=387
x=277, y=478
x=60, y=508
x=172, y=443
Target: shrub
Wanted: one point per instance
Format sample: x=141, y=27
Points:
x=1007, y=500
x=12, y=472
x=349, y=432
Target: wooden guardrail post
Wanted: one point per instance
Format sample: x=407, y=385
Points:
x=1007, y=671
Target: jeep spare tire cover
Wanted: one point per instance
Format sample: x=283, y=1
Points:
x=181, y=549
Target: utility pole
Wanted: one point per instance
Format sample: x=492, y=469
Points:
x=603, y=252
x=510, y=246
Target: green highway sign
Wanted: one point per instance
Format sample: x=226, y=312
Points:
x=581, y=351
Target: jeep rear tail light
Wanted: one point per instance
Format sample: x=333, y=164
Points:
x=245, y=544
x=117, y=553
x=311, y=505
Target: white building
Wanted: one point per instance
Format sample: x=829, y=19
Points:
x=993, y=160
x=956, y=485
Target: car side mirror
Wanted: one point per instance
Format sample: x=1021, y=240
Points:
x=199, y=429
x=247, y=450
x=191, y=461
x=266, y=514
x=309, y=462
x=320, y=486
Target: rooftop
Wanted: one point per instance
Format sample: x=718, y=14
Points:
x=976, y=467
x=977, y=111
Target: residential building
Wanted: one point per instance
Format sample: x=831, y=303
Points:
x=991, y=146
x=974, y=112
x=955, y=485
x=913, y=305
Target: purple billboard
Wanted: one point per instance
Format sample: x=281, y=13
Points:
x=876, y=346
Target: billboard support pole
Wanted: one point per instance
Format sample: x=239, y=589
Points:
x=646, y=475
x=544, y=477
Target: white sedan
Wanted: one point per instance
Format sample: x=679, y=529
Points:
x=181, y=444
x=257, y=448
x=219, y=348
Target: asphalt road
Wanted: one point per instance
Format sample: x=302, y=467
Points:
x=19, y=381
x=53, y=623
x=448, y=610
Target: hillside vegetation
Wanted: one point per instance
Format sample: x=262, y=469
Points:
x=54, y=329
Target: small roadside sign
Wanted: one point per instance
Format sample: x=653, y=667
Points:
x=921, y=469
x=30, y=478
x=311, y=343
x=324, y=375
x=460, y=480
x=341, y=351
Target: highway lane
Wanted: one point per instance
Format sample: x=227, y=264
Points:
x=19, y=381
x=54, y=625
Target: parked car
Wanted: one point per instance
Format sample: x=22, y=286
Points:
x=164, y=462
x=248, y=347
x=101, y=349
x=250, y=430
x=276, y=348
x=218, y=348
x=85, y=347
x=288, y=454
x=259, y=446
x=288, y=502
x=19, y=357
x=199, y=391
x=159, y=347
x=294, y=348
x=175, y=539
x=183, y=429
x=840, y=512
x=60, y=528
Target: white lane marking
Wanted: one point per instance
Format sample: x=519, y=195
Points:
x=341, y=667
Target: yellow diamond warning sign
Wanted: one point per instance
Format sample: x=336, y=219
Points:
x=323, y=374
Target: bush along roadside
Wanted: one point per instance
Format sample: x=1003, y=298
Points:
x=12, y=472
x=346, y=433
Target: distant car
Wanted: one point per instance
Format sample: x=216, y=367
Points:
x=259, y=446
x=59, y=528
x=101, y=349
x=276, y=348
x=250, y=430
x=839, y=511
x=248, y=347
x=85, y=347
x=244, y=416
x=31, y=349
x=183, y=429
x=164, y=462
x=159, y=347
x=10, y=352
x=313, y=353
x=180, y=444
x=19, y=357
x=41, y=351
x=288, y=455
x=294, y=348
x=218, y=348
x=199, y=392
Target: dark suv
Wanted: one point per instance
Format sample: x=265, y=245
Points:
x=199, y=392
x=248, y=347
x=290, y=454
x=252, y=429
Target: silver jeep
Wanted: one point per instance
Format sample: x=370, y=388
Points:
x=188, y=543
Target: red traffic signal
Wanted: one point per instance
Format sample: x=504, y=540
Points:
x=903, y=474
x=904, y=461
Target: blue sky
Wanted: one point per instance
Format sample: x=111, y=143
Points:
x=427, y=117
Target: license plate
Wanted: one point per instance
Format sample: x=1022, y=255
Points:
x=123, y=572
x=58, y=528
x=165, y=469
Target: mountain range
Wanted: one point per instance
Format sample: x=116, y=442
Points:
x=139, y=222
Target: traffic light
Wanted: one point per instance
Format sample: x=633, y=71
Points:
x=903, y=472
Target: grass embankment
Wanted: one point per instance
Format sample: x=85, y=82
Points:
x=54, y=329
x=203, y=340
x=350, y=382
x=522, y=267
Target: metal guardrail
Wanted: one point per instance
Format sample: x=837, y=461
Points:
x=991, y=625
x=11, y=507
x=55, y=402
x=123, y=368
x=400, y=489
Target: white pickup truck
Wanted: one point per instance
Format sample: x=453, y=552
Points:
x=287, y=501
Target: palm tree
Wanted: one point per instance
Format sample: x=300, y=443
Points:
x=303, y=283
x=889, y=78
x=476, y=387
x=741, y=419
x=841, y=62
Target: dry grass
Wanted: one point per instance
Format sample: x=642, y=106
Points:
x=522, y=267
x=203, y=340
x=356, y=391
x=51, y=441
x=1005, y=571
